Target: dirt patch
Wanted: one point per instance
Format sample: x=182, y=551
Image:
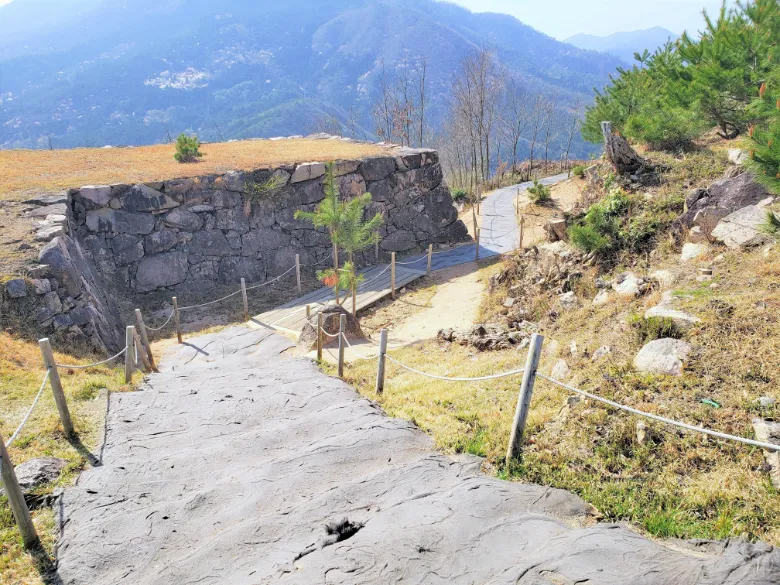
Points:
x=565, y=196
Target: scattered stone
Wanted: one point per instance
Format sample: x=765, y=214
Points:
x=573, y=348
x=48, y=233
x=487, y=337
x=691, y=251
x=666, y=310
x=601, y=352
x=641, y=432
x=35, y=472
x=744, y=227
x=42, y=285
x=737, y=156
x=765, y=401
x=560, y=371
x=663, y=277
x=509, y=302
x=663, y=356
x=568, y=300
x=696, y=235
x=572, y=400
x=16, y=288
x=628, y=284
x=58, y=209
x=556, y=230
x=769, y=432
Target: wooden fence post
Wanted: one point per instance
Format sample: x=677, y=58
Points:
x=392, y=276
x=56, y=386
x=141, y=351
x=139, y=321
x=319, y=337
x=308, y=312
x=342, y=344
x=246, y=300
x=430, y=258
x=522, y=228
x=380, y=371
x=176, y=320
x=524, y=398
x=129, y=353
x=298, y=272
x=476, y=248
x=16, y=499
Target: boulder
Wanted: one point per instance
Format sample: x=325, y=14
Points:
x=210, y=243
x=127, y=249
x=737, y=156
x=681, y=319
x=35, y=472
x=183, y=219
x=705, y=208
x=160, y=241
x=769, y=432
x=143, y=198
x=16, y=288
x=665, y=278
x=162, y=270
x=663, y=356
x=307, y=171
x=602, y=298
x=745, y=227
x=556, y=230
x=377, y=168
x=97, y=194
x=331, y=317
x=691, y=251
x=560, y=371
x=628, y=284
x=568, y=301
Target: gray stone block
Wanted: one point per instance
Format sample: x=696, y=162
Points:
x=127, y=249
x=210, y=243
x=119, y=222
x=183, y=219
x=16, y=288
x=162, y=270
x=160, y=241
x=377, y=168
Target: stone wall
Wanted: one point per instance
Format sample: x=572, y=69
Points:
x=191, y=235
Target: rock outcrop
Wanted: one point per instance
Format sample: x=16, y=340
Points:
x=663, y=356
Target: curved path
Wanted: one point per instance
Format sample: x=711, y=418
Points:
x=237, y=466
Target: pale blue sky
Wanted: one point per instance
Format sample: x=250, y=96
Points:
x=563, y=18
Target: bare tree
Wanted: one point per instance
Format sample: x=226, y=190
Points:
x=535, y=124
x=550, y=126
x=572, y=127
x=514, y=116
x=383, y=109
x=422, y=97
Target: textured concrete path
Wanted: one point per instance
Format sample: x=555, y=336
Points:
x=499, y=234
x=236, y=465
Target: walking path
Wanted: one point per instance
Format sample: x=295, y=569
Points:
x=238, y=466
x=499, y=234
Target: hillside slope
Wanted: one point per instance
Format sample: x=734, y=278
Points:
x=111, y=73
x=624, y=44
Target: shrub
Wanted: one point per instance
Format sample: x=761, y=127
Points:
x=187, y=148
x=459, y=196
x=539, y=193
x=578, y=171
x=587, y=238
x=653, y=328
x=772, y=224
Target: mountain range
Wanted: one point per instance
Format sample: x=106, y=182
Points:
x=114, y=72
x=624, y=44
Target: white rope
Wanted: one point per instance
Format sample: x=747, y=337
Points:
x=456, y=379
x=270, y=281
x=29, y=412
x=412, y=262
x=358, y=354
x=210, y=302
x=769, y=446
x=112, y=358
x=164, y=324
x=331, y=336
x=362, y=284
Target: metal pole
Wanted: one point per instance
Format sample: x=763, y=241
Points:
x=246, y=301
x=392, y=276
x=129, y=354
x=380, y=371
x=139, y=320
x=342, y=344
x=16, y=499
x=319, y=337
x=430, y=258
x=524, y=399
x=298, y=272
x=56, y=386
x=176, y=320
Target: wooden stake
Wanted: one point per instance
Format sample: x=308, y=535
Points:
x=476, y=248
x=430, y=258
x=129, y=353
x=522, y=229
x=139, y=346
x=319, y=337
x=139, y=321
x=16, y=499
x=342, y=344
x=298, y=272
x=308, y=312
x=380, y=371
x=354, y=300
x=392, y=276
x=246, y=300
x=524, y=399
x=176, y=320
x=56, y=386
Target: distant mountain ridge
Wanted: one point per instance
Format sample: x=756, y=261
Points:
x=624, y=44
x=99, y=72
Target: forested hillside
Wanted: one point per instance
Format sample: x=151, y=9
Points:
x=111, y=72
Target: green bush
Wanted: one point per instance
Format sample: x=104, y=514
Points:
x=585, y=237
x=187, y=148
x=539, y=193
x=578, y=171
x=459, y=196
x=652, y=328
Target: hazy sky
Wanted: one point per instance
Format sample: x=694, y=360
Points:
x=563, y=18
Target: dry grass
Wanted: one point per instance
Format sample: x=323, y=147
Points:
x=21, y=372
x=26, y=172
x=674, y=484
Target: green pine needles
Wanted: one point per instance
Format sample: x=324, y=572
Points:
x=187, y=149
